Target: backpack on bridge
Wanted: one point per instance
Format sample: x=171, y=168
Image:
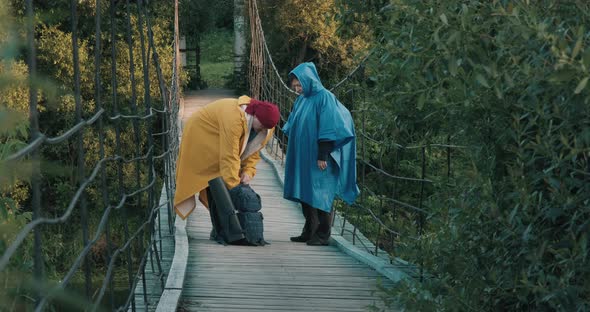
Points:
x=226, y=226
x=248, y=204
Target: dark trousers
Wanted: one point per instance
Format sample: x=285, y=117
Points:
x=317, y=222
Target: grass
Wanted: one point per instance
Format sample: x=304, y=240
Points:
x=216, y=57
x=216, y=75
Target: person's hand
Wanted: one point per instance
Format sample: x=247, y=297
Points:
x=245, y=178
x=322, y=164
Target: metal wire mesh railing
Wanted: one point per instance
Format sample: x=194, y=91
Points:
x=136, y=146
x=384, y=221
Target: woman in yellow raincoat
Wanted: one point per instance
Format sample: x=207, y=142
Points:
x=222, y=139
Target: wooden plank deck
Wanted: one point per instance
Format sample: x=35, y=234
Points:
x=283, y=276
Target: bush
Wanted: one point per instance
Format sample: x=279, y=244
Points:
x=509, y=80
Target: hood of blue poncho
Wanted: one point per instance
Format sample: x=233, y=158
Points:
x=308, y=76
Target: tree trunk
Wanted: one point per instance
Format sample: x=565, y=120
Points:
x=301, y=53
x=239, y=38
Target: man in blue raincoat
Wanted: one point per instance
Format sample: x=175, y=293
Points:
x=321, y=154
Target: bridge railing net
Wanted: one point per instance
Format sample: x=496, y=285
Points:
x=387, y=220
x=143, y=150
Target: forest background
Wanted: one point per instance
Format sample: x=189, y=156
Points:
x=505, y=82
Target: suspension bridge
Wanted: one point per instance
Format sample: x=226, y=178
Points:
x=283, y=276
x=171, y=264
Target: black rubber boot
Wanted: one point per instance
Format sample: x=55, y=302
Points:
x=311, y=224
x=324, y=229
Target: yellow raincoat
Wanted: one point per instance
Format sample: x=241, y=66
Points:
x=215, y=143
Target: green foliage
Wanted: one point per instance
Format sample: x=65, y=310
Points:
x=509, y=80
x=14, y=103
x=207, y=27
x=13, y=135
x=201, y=16
x=216, y=75
x=303, y=31
x=216, y=58
x=62, y=243
x=217, y=46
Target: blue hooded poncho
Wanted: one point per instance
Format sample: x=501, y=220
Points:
x=318, y=116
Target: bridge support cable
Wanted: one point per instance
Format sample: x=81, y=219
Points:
x=148, y=159
x=395, y=219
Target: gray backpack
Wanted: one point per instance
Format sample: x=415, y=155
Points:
x=248, y=204
x=251, y=223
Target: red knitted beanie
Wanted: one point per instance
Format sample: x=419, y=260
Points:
x=266, y=112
